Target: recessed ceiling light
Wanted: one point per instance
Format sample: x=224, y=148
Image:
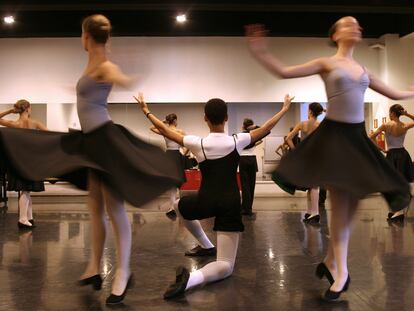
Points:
x=9, y=19
x=181, y=18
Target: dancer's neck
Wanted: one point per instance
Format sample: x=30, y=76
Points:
x=345, y=51
x=97, y=55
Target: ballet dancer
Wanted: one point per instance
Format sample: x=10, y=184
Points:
x=352, y=165
x=395, y=131
x=173, y=150
x=14, y=181
x=306, y=128
x=218, y=156
x=104, y=158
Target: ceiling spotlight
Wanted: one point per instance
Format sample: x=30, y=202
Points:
x=8, y=19
x=181, y=18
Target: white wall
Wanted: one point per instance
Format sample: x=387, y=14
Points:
x=182, y=69
x=185, y=70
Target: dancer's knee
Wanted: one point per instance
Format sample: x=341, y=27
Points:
x=225, y=269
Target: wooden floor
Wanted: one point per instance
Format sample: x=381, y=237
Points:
x=274, y=269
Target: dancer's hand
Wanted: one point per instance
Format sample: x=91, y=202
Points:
x=256, y=38
x=141, y=102
x=287, y=102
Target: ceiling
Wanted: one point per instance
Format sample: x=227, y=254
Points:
x=289, y=18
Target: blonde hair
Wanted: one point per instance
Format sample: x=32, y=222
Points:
x=21, y=105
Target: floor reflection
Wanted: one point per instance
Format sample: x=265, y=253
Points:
x=275, y=269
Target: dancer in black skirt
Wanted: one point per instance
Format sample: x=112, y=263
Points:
x=395, y=132
x=352, y=165
x=306, y=128
x=14, y=181
x=218, y=156
x=173, y=150
x=105, y=158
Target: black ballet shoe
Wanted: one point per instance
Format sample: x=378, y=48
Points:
x=198, y=251
x=23, y=226
x=95, y=281
x=322, y=270
x=115, y=299
x=33, y=223
x=334, y=296
x=312, y=220
x=399, y=218
x=306, y=216
x=171, y=214
x=177, y=289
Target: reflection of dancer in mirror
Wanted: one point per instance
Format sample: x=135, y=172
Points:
x=14, y=181
x=283, y=148
x=173, y=150
x=306, y=128
x=395, y=131
x=353, y=166
x=219, y=197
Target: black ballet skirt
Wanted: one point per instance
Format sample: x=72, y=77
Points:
x=340, y=155
x=16, y=183
x=178, y=159
x=132, y=168
x=400, y=159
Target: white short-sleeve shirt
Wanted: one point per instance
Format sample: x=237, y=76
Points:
x=216, y=145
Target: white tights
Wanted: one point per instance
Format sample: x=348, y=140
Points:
x=25, y=208
x=101, y=196
x=227, y=244
x=313, y=201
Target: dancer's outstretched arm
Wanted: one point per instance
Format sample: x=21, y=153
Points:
x=269, y=124
x=256, y=37
x=380, y=87
x=113, y=74
x=162, y=128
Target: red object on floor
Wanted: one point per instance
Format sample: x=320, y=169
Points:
x=194, y=180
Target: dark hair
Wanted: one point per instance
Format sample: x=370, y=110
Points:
x=397, y=109
x=216, y=111
x=98, y=26
x=171, y=118
x=316, y=109
x=331, y=32
x=21, y=105
x=247, y=122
